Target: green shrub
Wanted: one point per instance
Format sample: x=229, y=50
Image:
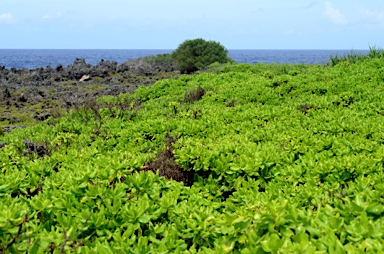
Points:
x=192, y=55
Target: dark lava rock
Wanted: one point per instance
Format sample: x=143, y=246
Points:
x=41, y=117
x=50, y=88
x=33, y=148
x=10, y=128
x=22, y=98
x=6, y=93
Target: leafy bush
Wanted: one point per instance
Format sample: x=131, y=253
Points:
x=192, y=55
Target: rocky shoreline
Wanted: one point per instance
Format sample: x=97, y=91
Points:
x=27, y=96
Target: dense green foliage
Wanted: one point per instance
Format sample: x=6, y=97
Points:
x=286, y=158
x=191, y=55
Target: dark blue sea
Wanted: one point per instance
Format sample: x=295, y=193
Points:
x=35, y=58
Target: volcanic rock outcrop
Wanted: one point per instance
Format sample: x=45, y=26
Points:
x=35, y=93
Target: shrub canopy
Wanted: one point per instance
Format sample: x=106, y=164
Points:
x=192, y=55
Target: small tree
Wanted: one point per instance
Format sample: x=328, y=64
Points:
x=192, y=55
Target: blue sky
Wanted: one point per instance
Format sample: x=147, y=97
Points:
x=150, y=24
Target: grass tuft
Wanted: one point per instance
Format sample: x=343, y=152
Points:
x=354, y=57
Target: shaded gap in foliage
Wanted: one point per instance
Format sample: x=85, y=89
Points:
x=166, y=165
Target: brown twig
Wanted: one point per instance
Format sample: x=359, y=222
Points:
x=17, y=234
x=41, y=180
x=62, y=249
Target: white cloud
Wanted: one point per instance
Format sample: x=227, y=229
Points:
x=377, y=15
x=48, y=17
x=289, y=32
x=334, y=15
x=7, y=18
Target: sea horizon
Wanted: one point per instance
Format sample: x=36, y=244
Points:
x=41, y=58
x=175, y=49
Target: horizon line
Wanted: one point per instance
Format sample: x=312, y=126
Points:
x=166, y=49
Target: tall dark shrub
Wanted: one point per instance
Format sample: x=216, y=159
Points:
x=192, y=55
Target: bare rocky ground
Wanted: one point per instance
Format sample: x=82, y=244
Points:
x=28, y=96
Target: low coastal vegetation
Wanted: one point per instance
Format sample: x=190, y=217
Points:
x=353, y=57
x=238, y=158
x=29, y=96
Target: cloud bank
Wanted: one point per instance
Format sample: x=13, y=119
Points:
x=334, y=15
x=7, y=18
x=378, y=16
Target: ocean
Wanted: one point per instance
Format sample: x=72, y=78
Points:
x=35, y=58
